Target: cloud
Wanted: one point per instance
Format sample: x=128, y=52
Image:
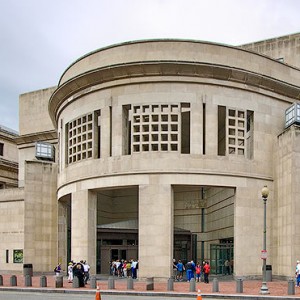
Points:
x=41, y=38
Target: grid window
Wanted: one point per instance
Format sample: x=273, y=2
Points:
x=156, y=127
x=236, y=124
x=44, y=151
x=80, y=138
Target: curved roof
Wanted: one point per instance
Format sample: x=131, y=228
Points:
x=177, y=58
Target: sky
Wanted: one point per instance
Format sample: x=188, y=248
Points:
x=41, y=38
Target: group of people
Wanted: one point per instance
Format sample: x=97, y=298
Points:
x=192, y=270
x=79, y=269
x=124, y=268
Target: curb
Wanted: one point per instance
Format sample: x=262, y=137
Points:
x=143, y=293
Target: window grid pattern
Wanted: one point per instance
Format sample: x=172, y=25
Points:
x=236, y=129
x=80, y=138
x=292, y=115
x=44, y=150
x=155, y=127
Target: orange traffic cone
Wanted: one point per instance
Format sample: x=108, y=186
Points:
x=199, y=297
x=98, y=296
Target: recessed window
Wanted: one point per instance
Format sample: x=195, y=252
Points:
x=162, y=127
x=1, y=149
x=82, y=133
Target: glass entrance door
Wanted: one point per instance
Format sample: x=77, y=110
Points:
x=221, y=259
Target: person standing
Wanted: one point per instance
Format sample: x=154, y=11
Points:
x=134, y=264
x=79, y=273
x=227, y=267
x=193, y=269
x=125, y=268
x=206, y=271
x=298, y=273
x=128, y=267
x=180, y=269
x=174, y=268
x=70, y=272
x=57, y=269
x=198, y=272
x=86, y=269
x=188, y=268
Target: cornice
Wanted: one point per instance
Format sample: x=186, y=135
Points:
x=35, y=137
x=8, y=165
x=10, y=137
x=177, y=69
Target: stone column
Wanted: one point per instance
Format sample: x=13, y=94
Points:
x=62, y=230
x=84, y=227
x=117, y=130
x=248, y=227
x=105, y=130
x=155, y=229
x=196, y=135
x=211, y=127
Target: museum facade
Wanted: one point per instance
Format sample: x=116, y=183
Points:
x=159, y=149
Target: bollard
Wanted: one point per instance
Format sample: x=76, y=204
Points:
x=149, y=284
x=129, y=283
x=59, y=282
x=291, y=287
x=13, y=280
x=43, y=281
x=93, y=282
x=192, y=285
x=215, y=285
x=111, y=283
x=171, y=284
x=28, y=280
x=75, y=282
x=27, y=269
x=239, y=285
x=1, y=280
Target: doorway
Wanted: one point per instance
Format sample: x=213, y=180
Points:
x=221, y=259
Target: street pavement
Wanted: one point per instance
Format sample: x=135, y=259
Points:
x=227, y=288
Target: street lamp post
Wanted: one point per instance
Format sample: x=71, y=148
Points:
x=264, y=289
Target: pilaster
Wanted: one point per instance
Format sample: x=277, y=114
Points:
x=155, y=229
x=84, y=227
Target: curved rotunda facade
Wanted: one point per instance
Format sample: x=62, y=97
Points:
x=173, y=134
x=158, y=150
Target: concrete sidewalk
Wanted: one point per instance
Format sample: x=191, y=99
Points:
x=227, y=288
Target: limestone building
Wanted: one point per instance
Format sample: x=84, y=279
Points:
x=8, y=158
x=159, y=149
